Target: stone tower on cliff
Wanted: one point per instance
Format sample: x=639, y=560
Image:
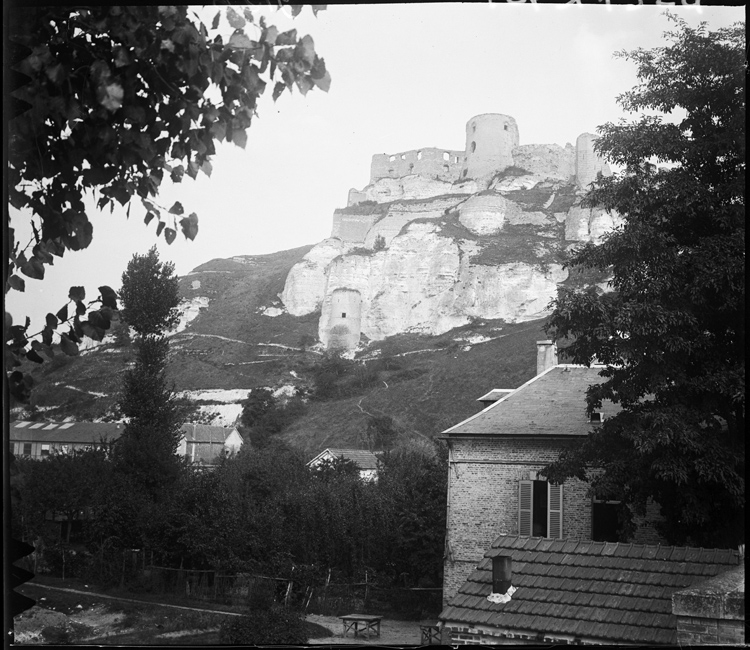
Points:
x=490, y=140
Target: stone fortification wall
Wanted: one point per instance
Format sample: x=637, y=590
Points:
x=588, y=163
x=490, y=140
x=442, y=164
x=342, y=315
x=352, y=227
x=547, y=160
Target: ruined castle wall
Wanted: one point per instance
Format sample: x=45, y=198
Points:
x=342, y=314
x=588, y=163
x=490, y=140
x=352, y=227
x=442, y=164
x=355, y=196
x=547, y=160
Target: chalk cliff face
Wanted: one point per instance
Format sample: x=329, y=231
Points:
x=427, y=253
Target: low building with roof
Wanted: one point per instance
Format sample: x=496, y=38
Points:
x=537, y=590
x=367, y=461
x=203, y=444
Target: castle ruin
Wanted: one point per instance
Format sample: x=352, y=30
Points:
x=410, y=184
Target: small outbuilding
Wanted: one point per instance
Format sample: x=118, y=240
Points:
x=366, y=460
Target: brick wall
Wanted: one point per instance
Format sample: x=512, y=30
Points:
x=712, y=612
x=483, y=499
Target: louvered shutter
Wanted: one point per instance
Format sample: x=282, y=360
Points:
x=554, y=511
x=525, y=489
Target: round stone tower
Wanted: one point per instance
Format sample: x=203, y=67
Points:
x=344, y=320
x=490, y=140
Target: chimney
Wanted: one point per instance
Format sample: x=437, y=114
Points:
x=546, y=356
x=502, y=567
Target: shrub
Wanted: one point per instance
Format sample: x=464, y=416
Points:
x=272, y=626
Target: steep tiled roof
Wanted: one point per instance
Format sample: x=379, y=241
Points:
x=65, y=432
x=600, y=591
x=363, y=458
x=206, y=433
x=551, y=404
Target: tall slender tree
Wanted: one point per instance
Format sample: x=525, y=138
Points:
x=146, y=450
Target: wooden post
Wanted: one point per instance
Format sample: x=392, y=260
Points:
x=367, y=590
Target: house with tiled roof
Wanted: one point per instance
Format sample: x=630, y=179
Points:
x=202, y=444
x=574, y=591
x=366, y=460
x=554, y=572
x=495, y=456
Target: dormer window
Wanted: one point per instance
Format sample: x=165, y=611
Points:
x=597, y=417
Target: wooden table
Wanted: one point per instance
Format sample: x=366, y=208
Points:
x=368, y=623
x=430, y=632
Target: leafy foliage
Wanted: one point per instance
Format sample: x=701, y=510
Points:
x=150, y=294
x=108, y=99
x=264, y=415
x=146, y=450
x=268, y=626
x=671, y=331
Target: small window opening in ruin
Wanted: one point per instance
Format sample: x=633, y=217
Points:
x=403, y=156
x=419, y=155
x=392, y=158
x=597, y=417
x=455, y=159
x=446, y=168
x=474, y=128
x=446, y=156
x=411, y=166
x=343, y=314
x=473, y=147
x=505, y=126
x=466, y=171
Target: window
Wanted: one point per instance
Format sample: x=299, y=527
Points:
x=392, y=158
x=446, y=156
x=27, y=449
x=45, y=450
x=505, y=126
x=403, y=156
x=343, y=314
x=463, y=174
x=597, y=417
x=419, y=155
x=604, y=520
x=473, y=147
x=474, y=128
x=539, y=509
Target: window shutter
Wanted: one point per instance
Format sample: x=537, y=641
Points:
x=554, y=511
x=525, y=489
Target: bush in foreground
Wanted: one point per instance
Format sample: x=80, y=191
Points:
x=273, y=626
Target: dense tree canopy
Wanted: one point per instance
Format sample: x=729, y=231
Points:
x=671, y=329
x=107, y=100
x=150, y=294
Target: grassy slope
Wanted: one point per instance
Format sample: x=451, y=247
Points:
x=426, y=393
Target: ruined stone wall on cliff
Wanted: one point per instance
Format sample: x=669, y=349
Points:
x=442, y=164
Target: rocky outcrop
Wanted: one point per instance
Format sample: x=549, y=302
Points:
x=425, y=282
x=306, y=283
x=589, y=224
x=485, y=214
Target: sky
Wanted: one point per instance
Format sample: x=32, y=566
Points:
x=404, y=76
